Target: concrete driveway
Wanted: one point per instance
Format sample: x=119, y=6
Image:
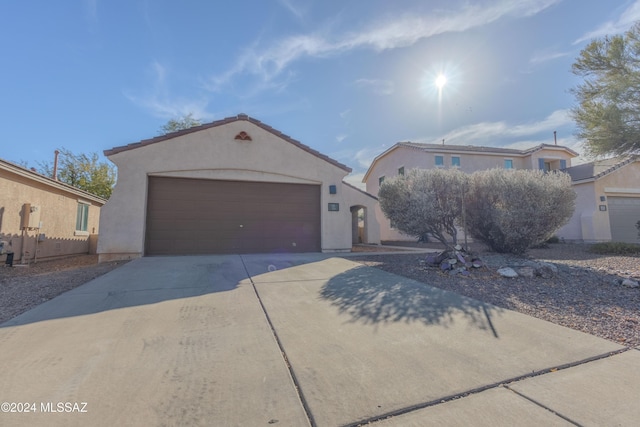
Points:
x=295, y=340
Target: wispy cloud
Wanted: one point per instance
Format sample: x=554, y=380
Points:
x=341, y=137
x=546, y=55
x=161, y=104
x=379, y=87
x=267, y=62
x=293, y=7
x=91, y=11
x=495, y=133
x=626, y=19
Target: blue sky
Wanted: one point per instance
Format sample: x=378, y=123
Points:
x=348, y=78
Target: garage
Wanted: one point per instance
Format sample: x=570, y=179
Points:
x=624, y=213
x=199, y=216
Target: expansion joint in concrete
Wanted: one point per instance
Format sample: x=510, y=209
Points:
x=292, y=374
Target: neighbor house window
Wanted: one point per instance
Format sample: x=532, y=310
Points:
x=508, y=164
x=82, y=217
x=455, y=161
x=401, y=171
x=544, y=165
x=380, y=180
x=439, y=160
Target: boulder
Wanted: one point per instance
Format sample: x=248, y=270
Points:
x=507, y=272
x=628, y=283
x=546, y=270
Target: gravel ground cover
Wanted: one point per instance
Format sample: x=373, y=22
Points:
x=585, y=294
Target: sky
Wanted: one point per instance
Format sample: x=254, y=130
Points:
x=349, y=78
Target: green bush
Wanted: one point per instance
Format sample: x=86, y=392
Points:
x=513, y=210
x=615, y=248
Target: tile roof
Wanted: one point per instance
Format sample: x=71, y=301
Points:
x=239, y=117
x=481, y=149
x=598, y=169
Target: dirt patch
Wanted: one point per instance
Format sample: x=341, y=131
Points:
x=22, y=288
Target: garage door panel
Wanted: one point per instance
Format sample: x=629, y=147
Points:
x=190, y=216
x=624, y=213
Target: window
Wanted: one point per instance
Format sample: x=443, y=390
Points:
x=544, y=165
x=508, y=164
x=439, y=160
x=401, y=171
x=455, y=161
x=82, y=217
x=380, y=180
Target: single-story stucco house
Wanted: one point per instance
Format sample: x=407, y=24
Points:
x=42, y=218
x=607, y=203
x=235, y=185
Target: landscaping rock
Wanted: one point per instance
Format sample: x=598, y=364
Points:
x=546, y=270
x=526, y=271
x=507, y=272
x=628, y=283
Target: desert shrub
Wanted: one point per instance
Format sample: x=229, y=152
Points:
x=615, y=248
x=553, y=239
x=513, y=210
x=425, y=202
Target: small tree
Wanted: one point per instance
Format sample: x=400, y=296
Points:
x=425, y=202
x=175, y=125
x=608, y=111
x=512, y=210
x=83, y=171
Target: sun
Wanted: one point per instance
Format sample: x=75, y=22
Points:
x=441, y=80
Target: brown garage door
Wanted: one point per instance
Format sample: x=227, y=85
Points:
x=624, y=213
x=196, y=216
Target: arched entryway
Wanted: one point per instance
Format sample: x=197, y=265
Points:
x=358, y=224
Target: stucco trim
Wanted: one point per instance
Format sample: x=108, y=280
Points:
x=359, y=190
x=622, y=190
x=239, y=117
x=235, y=175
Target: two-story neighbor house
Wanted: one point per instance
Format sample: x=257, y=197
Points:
x=405, y=156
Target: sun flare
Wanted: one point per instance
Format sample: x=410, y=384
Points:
x=441, y=80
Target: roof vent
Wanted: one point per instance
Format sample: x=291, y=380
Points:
x=243, y=136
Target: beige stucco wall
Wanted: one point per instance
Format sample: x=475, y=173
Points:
x=356, y=198
x=588, y=223
x=411, y=158
x=58, y=209
x=214, y=154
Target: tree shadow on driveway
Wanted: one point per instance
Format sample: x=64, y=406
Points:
x=372, y=296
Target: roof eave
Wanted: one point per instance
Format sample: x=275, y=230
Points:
x=239, y=117
x=34, y=176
